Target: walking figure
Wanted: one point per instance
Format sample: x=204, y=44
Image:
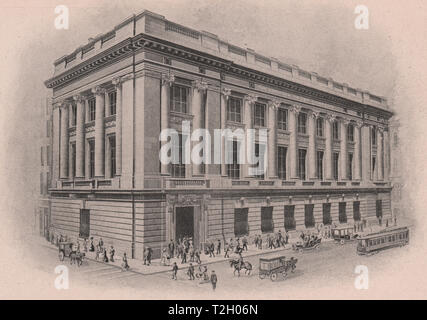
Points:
x=218, y=247
x=92, y=247
x=226, y=249
x=191, y=272
x=197, y=256
x=125, y=265
x=184, y=257
x=174, y=271
x=112, y=252
x=214, y=280
x=105, y=258
x=245, y=244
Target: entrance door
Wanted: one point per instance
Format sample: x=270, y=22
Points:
x=184, y=222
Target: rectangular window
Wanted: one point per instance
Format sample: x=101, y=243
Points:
x=48, y=128
x=379, y=208
x=342, y=216
x=373, y=166
x=73, y=115
x=91, y=158
x=41, y=183
x=73, y=159
x=234, y=109
x=178, y=168
x=260, y=150
x=233, y=169
x=335, y=130
x=41, y=156
x=179, y=98
x=301, y=163
x=302, y=123
x=267, y=219
x=350, y=133
x=336, y=157
x=241, y=227
x=326, y=212
x=319, y=164
x=112, y=97
x=112, y=141
x=92, y=109
x=281, y=162
x=84, y=223
x=319, y=127
x=48, y=155
x=350, y=166
x=282, y=119
x=259, y=114
x=356, y=211
x=290, y=223
x=309, y=215
x=374, y=135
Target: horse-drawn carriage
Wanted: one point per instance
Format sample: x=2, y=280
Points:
x=65, y=249
x=272, y=267
x=307, y=245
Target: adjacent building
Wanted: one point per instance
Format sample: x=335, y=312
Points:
x=328, y=143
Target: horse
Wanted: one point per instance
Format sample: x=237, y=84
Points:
x=237, y=267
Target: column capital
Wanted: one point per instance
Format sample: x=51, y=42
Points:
x=381, y=129
x=345, y=121
x=226, y=92
x=274, y=104
x=358, y=124
x=314, y=114
x=98, y=90
x=251, y=98
x=78, y=98
x=295, y=109
x=168, y=79
x=117, y=82
x=200, y=85
x=331, y=118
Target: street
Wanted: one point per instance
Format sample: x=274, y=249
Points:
x=327, y=271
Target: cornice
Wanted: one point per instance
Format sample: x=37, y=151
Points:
x=228, y=67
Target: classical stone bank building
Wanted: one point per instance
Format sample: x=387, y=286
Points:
x=328, y=143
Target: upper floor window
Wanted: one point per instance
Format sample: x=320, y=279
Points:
x=374, y=135
x=259, y=114
x=301, y=163
x=335, y=163
x=92, y=109
x=282, y=119
x=234, y=109
x=233, y=169
x=177, y=167
x=281, y=162
x=350, y=132
x=179, y=98
x=112, y=97
x=73, y=115
x=319, y=127
x=91, y=144
x=302, y=123
x=335, y=130
x=259, y=167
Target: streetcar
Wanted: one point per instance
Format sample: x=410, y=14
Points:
x=388, y=238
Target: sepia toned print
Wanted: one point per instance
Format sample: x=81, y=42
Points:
x=175, y=163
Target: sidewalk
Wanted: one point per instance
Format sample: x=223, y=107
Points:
x=137, y=266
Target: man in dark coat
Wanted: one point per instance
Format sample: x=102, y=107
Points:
x=171, y=248
x=214, y=280
x=174, y=271
x=191, y=272
x=218, y=247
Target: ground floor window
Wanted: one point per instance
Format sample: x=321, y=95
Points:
x=327, y=219
x=84, y=223
x=267, y=219
x=241, y=226
x=379, y=208
x=309, y=215
x=290, y=223
x=356, y=210
x=342, y=216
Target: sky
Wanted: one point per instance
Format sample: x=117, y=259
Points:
x=388, y=60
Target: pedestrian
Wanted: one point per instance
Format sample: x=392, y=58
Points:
x=211, y=250
x=191, y=272
x=85, y=243
x=92, y=247
x=197, y=254
x=184, y=257
x=171, y=248
x=101, y=243
x=218, y=247
x=174, y=271
x=214, y=280
x=245, y=243
x=226, y=249
x=147, y=256
x=112, y=252
x=125, y=265
x=191, y=252
x=105, y=258
x=286, y=237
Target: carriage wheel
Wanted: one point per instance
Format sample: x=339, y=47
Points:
x=284, y=274
x=300, y=250
x=61, y=256
x=342, y=241
x=273, y=276
x=262, y=275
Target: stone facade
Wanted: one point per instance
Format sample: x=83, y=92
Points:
x=114, y=95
